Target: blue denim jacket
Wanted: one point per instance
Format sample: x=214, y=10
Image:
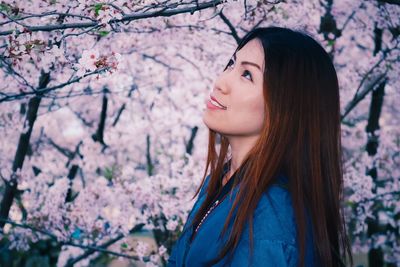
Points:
x=274, y=234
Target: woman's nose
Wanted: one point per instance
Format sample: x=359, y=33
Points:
x=221, y=83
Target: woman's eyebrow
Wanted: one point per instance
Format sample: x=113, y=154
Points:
x=247, y=63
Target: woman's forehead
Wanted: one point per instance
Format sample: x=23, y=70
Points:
x=252, y=51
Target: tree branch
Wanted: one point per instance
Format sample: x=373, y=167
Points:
x=358, y=97
x=13, y=73
x=230, y=26
x=94, y=249
x=49, y=89
x=127, y=18
x=91, y=248
x=51, y=13
x=122, y=108
x=377, y=196
x=65, y=151
x=390, y=2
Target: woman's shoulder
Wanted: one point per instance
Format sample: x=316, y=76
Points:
x=274, y=217
x=274, y=230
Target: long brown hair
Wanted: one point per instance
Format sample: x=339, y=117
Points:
x=300, y=138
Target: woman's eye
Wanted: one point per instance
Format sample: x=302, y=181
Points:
x=230, y=63
x=248, y=72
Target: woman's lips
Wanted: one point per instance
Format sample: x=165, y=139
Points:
x=216, y=102
x=210, y=105
x=213, y=103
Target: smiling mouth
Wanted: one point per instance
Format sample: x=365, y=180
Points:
x=215, y=103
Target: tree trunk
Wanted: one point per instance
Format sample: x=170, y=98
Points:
x=375, y=256
x=22, y=149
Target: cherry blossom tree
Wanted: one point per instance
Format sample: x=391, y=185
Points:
x=101, y=118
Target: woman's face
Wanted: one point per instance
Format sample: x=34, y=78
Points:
x=239, y=89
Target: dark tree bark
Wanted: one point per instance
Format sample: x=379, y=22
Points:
x=149, y=161
x=22, y=149
x=71, y=176
x=375, y=256
x=189, y=145
x=99, y=135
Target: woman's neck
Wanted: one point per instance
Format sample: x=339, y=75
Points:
x=240, y=146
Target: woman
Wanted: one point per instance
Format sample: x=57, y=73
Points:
x=273, y=194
